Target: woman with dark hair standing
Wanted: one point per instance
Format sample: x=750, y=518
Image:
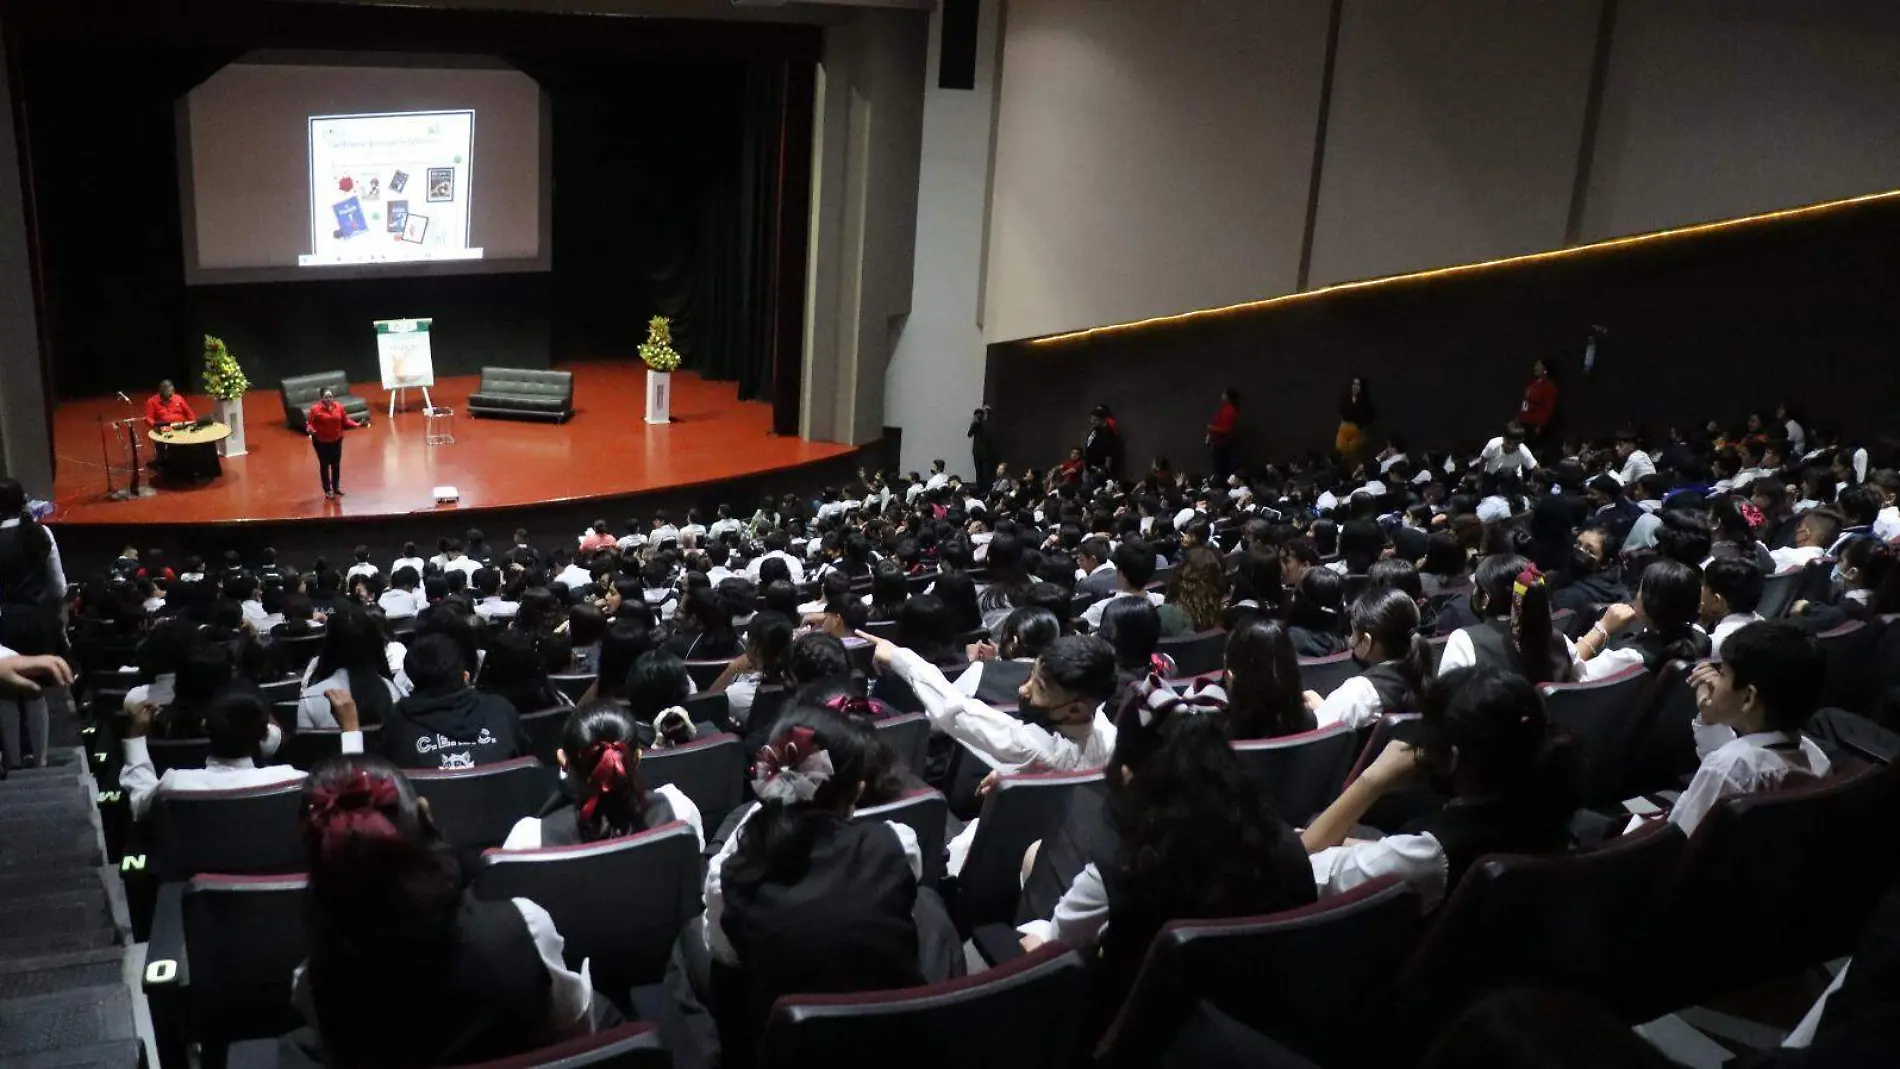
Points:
x=1263, y=683
x=601, y=795
x=325, y=423
x=1384, y=637
x=32, y=598
x=389, y=925
x=1484, y=742
x=1193, y=836
x=1356, y=415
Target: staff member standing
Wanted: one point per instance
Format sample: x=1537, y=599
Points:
x=1223, y=430
x=1355, y=417
x=325, y=425
x=1540, y=402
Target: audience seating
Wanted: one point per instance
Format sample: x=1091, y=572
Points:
x=1198, y=653
x=1324, y=674
x=767, y=703
x=1817, y=581
x=524, y=393
x=1387, y=728
x=710, y=770
x=619, y=903
x=924, y=812
x=1847, y=649
x=909, y=737
x=705, y=673
x=1027, y=1014
x=282, y=690
x=1605, y=716
x=1020, y=810
x=309, y=748
x=299, y=392
x=637, y=1045
x=714, y=709
x=1316, y=978
x=1778, y=593
x=168, y=754
x=1302, y=772
x=219, y=964
x=543, y=731
x=572, y=686
x=1562, y=921
x=476, y=807
x=1665, y=742
x=245, y=830
x=295, y=652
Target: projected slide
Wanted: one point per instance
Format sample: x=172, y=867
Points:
x=390, y=188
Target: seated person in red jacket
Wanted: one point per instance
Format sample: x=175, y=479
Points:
x=167, y=407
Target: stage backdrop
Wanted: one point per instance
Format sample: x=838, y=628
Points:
x=661, y=205
x=1702, y=326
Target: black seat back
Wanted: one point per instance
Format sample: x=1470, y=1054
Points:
x=168, y=754
x=909, y=737
x=924, y=812
x=1606, y=718
x=1197, y=653
x=618, y=903
x=245, y=830
x=1020, y=810
x=1303, y=773
x=1027, y=1014
x=706, y=708
x=543, y=731
x=476, y=807
x=244, y=936
x=1778, y=593
x=573, y=686
x=1325, y=674
x=309, y=748
x=709, y=770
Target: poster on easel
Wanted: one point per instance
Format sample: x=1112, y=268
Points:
x=402, y=348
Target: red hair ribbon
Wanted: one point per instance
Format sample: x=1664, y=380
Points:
x=1751, y=514
x=1526, y=579
x=854, y=706
x=787, y=751
x=352, y=806
x=609, y=758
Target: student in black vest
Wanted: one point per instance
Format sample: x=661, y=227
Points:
x=1484, y=743
x=801, y=899
x=1000, y=670
x=1263, y=683
x=1313, y=617
x=390, y=928
x=1398, y=661
x=601, y=796
x=1514, y=631
x=1192, y=836
x=1667, y=605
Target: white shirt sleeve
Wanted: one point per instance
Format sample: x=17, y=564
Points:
x=525, y=835
x=1524, y=458
x=1080, y=917
x=686, y=812
x=1606, y=664
x=1005, y=740
x=55, y=571
x=907, y=839
x=1458, y=652
x=138, y=778
x=715, y=895
x=573, y=993
x=1354, y=703
x=968, y=681
x=1417, y=859
x=1710, y=737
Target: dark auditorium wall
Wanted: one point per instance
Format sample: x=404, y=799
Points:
x=1703, y=325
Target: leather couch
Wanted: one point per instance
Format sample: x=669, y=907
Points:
x=524, y=393
x=301, y=391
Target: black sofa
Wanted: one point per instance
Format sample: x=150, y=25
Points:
x=301, y=391
x=524, y=393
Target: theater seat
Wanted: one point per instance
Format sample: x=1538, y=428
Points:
x=1020, y=810
x=1316, y=978
x=310, y=747
x=167, y=754
x=627, y=1046
x=219, y=964
x=543, y=731
x=909, y=736
x=1778, y=593
x=1302, y=773
x=1606, y=718
x=619, y=903
x=476, y=807
x=1325, y=674
x=1027, y=1014
x=572, y=685
x=1195, y=654
x=924, y=812
x=710, y=770
x=245, y=830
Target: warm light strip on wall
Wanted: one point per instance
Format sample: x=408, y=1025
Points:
x=1440, y=272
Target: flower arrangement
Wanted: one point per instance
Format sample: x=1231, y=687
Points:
x=658, y=350
x=224, y=379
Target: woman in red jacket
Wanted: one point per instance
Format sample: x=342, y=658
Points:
x=325, y=425
x=1222, y=432
x=1540, y=401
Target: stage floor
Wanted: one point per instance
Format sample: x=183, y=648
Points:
x=607, y=450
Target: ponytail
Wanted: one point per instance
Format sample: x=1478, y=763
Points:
x=1416, y=667
x=381, y=879
x=806, y=780
x=602, y=776
x=1530, y=625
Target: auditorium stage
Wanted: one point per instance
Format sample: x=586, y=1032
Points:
x=606, y=454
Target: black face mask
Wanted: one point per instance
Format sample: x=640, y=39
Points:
x=1583, y=563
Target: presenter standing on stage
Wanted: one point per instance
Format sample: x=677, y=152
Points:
x=325, y=425
x=165, y=409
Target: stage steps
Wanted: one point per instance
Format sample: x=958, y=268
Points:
x=64, y=1000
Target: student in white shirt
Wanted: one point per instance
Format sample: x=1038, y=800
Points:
x=1797, y=436
x=1750, y=710
x=724, y=524
x=1731, y=589
x=938, y=476
x=403, y=598
x=1511, y=599
x=492, y=605
x=1384, y=637
x=1484, y=742
x=238, y=727
x=1886, y=483
x=1668, y=604
x=1506, y=453
x=354, y=662
x=362, y=566
x=602, y=796
x=1134, y=566
x=1636, y=463
x=1817, y=530
x=408, y=560
x=775, y=546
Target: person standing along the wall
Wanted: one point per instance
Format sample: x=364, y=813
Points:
x=1222, y=432
x=1103, y=447
x=1355, y=418
x=1540, y=402
x=982, y=446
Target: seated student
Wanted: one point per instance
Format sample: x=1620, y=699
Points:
x=390, y=925
x=1070, y=681
x=352, y=660
x=1133, y=628
x=515, y=671
x=1731, y=588
x=403, y=598
x=768, y=648
x=1384, y=637
x=889, y=590
x=1668, y=603
x=1860, y=508
x=1485, y=743
x=444, y=722
x=1314, y=620
x=657, y=685
x=1816, y=530
x=238, y=728
x=1194, y=837
x=1512, y=602
x=1735, y=537
x=601, y=796
x=1750, y=710
x=998, y=671
x=925, y=627
x=1595, y=574
x=1197, y=593
x=703, y=629
x=1870, y=588
x=1134, y=565
x=801, y=899
x=1262, y=682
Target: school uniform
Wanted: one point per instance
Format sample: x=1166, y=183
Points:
x=141, y=782
x=1490, y=644
x=1359, y=702
x=558, y=823
x=1004, y=741
x=1727, y=626
x=313, y=703
x=996, y=683
x=1733, y=765
x=1433, y=853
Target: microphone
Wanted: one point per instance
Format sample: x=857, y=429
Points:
x=123, y=397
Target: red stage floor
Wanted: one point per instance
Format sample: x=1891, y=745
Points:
x=606, y=450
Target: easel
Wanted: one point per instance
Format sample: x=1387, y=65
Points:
x=125, y=432
x=395, y=396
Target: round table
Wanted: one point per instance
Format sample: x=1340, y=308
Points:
x=191, y=454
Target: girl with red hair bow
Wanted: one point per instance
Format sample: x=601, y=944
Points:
x=601, y=794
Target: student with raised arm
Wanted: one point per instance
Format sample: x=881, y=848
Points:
x=1071, y=679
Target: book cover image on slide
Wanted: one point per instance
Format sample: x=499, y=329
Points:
x=398, y=212
x=349, y=218
x=361, y=168
x=441, y=184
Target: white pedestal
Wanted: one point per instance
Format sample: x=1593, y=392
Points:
x=231, y=414
x=659, y=396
